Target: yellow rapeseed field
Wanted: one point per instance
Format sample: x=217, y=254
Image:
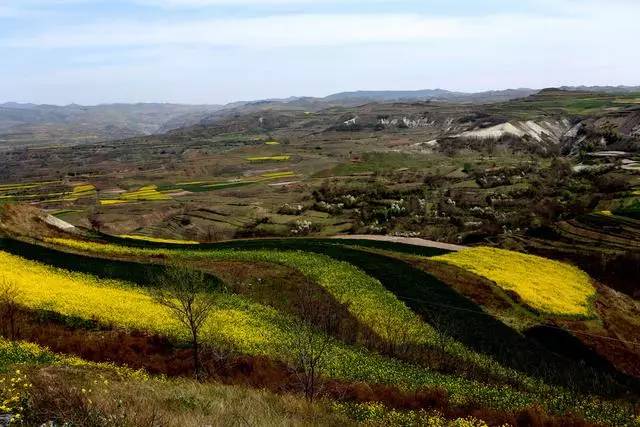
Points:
x=149, y=192
x=267, y=158
x=549, y=286
x=24, y=186
x=109, y=202
x=81, y=191
x=278, y=174
x=252, y=327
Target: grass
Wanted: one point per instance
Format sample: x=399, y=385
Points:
x=465, y=321
x=62, y=212
x=548, y=286
x=272, y=143
x=78, y=391
x=223, y=185
x=573, y=103
x=630, y=208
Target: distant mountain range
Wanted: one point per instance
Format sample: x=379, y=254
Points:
x=32, y=124
x=430, y=95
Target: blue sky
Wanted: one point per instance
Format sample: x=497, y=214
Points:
x=218, y=51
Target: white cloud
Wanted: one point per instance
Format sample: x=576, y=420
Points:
x=591, y=23
x=298, y=30
x=272, y=31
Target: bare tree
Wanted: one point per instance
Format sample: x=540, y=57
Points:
x=9, y=307
x=311, y=340
x=399, y=336
x=189, y=296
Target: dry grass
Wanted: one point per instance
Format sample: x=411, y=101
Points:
x=85, y=396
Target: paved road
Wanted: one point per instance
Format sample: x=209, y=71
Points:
x=415, y=241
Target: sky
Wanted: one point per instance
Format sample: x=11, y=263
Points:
x=218, y=51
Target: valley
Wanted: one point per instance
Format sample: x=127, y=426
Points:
x=449, y=262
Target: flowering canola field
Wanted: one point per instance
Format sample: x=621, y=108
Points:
x=251, y=327
x=364, y=296
x=549, y=286
x=260, y=330
x=148, y=193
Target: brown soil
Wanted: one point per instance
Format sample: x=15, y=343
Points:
x=618, y=335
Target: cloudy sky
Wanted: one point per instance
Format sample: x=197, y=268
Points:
x=218, y=51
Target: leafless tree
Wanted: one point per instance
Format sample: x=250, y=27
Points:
x=312, y=340
x=400, y=336
x=9, y=307
x=190, y=298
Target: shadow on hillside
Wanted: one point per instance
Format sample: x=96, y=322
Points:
x=133, y=272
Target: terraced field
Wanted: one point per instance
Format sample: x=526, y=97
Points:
x=381, y=291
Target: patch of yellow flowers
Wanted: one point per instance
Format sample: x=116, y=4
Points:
x=377, y=414
x=149, y=192
x=549, y=286
x=269, y=158
x=14, y=390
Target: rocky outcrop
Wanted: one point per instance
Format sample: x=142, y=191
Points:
x=548, y=131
